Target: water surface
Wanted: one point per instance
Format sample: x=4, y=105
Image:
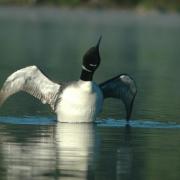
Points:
x=40, y=148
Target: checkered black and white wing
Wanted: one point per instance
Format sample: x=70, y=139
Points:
x=32, y=81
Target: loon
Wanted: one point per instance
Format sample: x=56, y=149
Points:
x=76, y=101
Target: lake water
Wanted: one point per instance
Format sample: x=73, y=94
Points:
x=146, y=46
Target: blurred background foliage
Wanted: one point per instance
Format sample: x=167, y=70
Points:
x=162, y=5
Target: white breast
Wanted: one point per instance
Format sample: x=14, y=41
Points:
x=80, y=102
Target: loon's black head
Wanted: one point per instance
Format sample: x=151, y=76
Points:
x=91, y=58
x=91, y=61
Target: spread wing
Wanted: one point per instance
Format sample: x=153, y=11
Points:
x=32, y=81
x=122, y=87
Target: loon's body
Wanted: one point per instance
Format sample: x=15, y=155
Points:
x=81, y=101
x=78, y=101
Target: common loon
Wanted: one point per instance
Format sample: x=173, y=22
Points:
x=78, y=101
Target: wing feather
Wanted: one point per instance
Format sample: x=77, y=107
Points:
x=32, y=81
x=122, y=87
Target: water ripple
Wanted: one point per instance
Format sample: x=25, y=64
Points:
x=138, y=124
x=28, y=120
x=34, y=120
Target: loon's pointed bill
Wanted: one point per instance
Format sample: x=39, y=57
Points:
x=32, y=81
x=98, y=43
x=122, y=87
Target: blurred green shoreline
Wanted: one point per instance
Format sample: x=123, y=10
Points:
x=141, y=5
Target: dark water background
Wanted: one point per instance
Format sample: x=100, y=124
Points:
x=146, y=46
